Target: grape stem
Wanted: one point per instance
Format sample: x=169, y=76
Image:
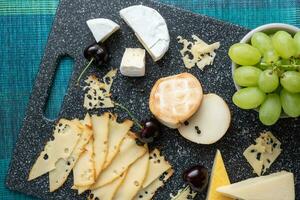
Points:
x=130, y=114
x=282, y=67
x=88, y=65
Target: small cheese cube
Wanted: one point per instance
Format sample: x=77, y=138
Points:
x=133, y=62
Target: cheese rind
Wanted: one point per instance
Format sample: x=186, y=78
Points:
x=149, y=27
x=102, y=28
x=219, y=177
x=133, y=62
x=66, y=136
x=277, y=186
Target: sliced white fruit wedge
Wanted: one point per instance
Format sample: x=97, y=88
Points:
x=209, y=123
x=277, y=186
x=149, y=27
x=102, y=28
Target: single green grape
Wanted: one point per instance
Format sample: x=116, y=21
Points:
x=284, y=44
x=270, y=57
x=244, y=54
x=290, y=80
x=248, y=98
x=246, y=76
x=270, y=109
x=297, y=43
x=290, y=103
x=268, y=81
x=262, y=42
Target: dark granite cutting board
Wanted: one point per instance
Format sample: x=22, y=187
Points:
x=70, y=35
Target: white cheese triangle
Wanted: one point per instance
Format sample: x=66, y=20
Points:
x=277, y=186
x=157, y=166
x=148, y=192
x=107, y=192
x=128, y=154
x=134, y=179
x=149, y=27
x=100, y=146
x=66, y=136
x=63, y=167
x=117, y=132
x=102, y=28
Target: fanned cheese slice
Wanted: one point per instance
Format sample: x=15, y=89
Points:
x=107, y=192
x=102, y=28
x=66, y=136
x=128, y=154
x=100, y=146
x=134, y=179
x=219, y=177
x=157, y=166
x=148, y=192
x=277, y=186
x=63, y=167
x=84, y=170
x=149, y=27
x=117, y=132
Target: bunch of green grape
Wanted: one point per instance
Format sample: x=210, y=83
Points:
x=269, y=73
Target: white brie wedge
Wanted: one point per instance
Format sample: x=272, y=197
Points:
x=102, y=28
x=149, y=27
x=133, y=62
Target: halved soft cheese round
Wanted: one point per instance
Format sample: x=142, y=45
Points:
x=209, y=123
x=102, y=28
x=175, y=99
x=150, y=28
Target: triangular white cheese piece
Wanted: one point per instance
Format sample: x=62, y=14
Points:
x=157, y=166
x=155, y=35
x=117, y=132
x=277, y=186
x=63, y=167
x=134, y=179
x=66, y=136
x=100, y=130
x=107, y=191
x=128, y=154
x=102, y=28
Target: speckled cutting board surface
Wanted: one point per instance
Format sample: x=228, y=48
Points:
x=70, y=35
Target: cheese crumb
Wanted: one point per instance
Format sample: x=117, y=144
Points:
x=97, y=94
x=197, y=52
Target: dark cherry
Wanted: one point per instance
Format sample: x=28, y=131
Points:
x=97, y=52
x=149, y=131
x=196, y=177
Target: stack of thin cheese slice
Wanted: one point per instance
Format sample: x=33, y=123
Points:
x=105, y=159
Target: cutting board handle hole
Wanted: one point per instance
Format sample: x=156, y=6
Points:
x=59, y=87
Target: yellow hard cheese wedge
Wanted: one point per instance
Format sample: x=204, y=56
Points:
x=134, y=179
x=100, y=146
x=128, y=154
x=148, y=192
x=107, y=192
x=117, y=132
x=63, y=167
x=219, y=177
x=157, y=166
x=66, y=136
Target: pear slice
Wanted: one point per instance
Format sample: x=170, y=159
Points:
x=210, y=123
